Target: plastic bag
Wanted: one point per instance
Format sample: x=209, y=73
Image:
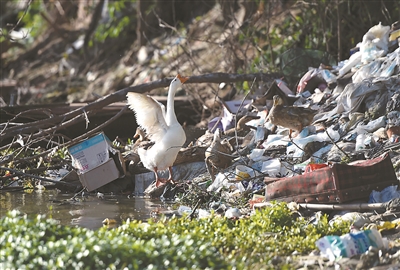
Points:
x=370, y=52
x=274, y=168
x=354, y=60
x=328, y=76
x=369, y=70
x=299, y=143
x=304, y=80
x=388, y=67
x=378, y=35
x=375, y=43
x=385, y=195
x=374, y=125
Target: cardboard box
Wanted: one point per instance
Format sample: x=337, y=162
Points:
x=96, y=161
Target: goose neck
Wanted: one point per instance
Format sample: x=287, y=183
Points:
x=170, y=114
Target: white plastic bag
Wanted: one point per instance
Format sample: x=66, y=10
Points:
x=354, y=60
x=300, y=143
x=378, y=35
x=274, y=168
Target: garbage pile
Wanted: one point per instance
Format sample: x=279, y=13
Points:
x=331, y=144
x=333, y=141
x=345, y=160
x=350, y=144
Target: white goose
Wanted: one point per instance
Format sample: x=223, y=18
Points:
x=162, y=128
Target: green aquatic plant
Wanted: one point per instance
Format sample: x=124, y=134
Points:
x=209, y=243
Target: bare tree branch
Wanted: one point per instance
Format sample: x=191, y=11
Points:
x=120, y=95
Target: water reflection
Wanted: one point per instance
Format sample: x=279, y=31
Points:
x=87, y=211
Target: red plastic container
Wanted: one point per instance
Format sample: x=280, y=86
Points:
x=314, y=166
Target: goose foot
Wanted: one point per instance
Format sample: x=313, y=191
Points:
x=163, y=181
x=159, y=181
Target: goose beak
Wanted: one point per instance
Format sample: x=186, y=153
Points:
x=182, y=79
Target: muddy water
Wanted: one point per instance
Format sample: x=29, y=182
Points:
x=85, y=211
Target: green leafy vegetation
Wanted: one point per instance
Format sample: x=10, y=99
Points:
x=213, y=243
x=118, y=22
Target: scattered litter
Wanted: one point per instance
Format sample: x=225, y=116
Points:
x=350, y=244
x=385, y=195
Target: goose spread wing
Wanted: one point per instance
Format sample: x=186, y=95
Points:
x=150, y=114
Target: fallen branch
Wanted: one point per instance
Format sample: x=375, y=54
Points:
x=120, y=95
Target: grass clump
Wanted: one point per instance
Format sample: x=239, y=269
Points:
x=210, y=243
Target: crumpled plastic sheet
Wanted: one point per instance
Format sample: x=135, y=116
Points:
x=371, y=127
x=353, y=95
x=354, y=60
x=225, y=180
x=300, y=143
x=385, y=195
x=367, y=71
x=394, y=118
x=275, y=168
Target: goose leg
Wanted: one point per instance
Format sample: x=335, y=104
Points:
x=170, y=176
x=159, y=181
